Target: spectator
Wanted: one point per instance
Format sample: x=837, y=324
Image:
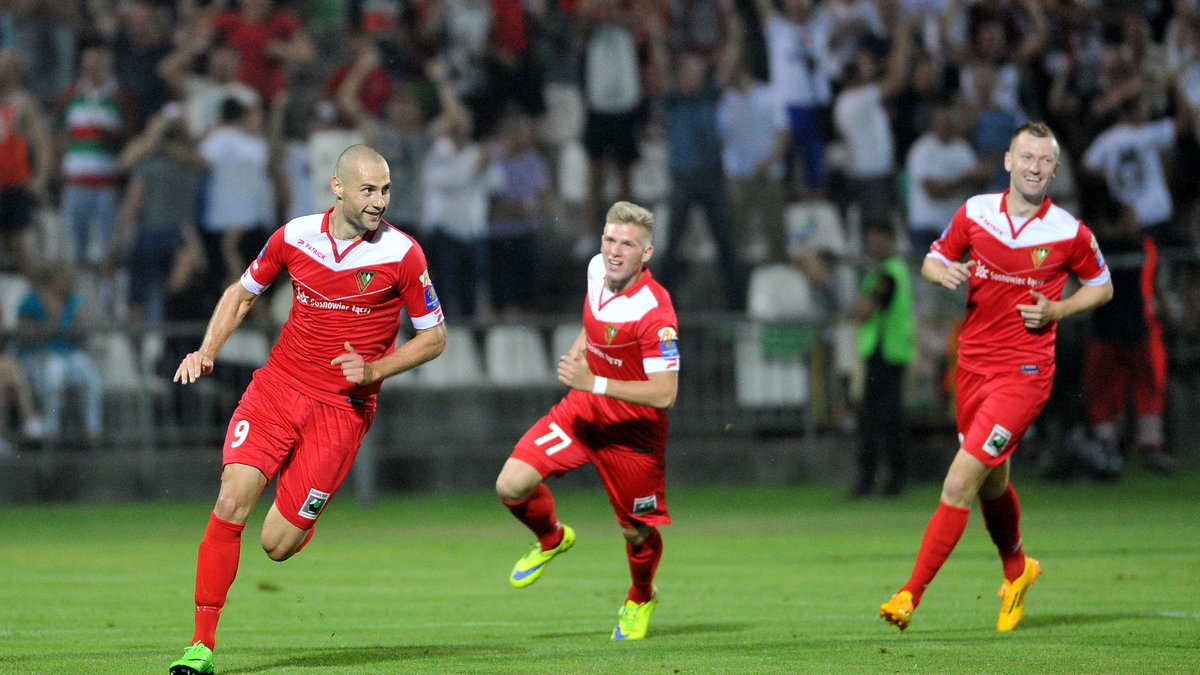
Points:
x=46, y=33
x=1129, y=157
x=157, y=239
x=16, y=395
x=269, y=40
x=862, y=121
x=97, y=118
x=399, y=133
x=943, y=171
x=203, y=94
x=755, y=136
x=51, y=326
x=139, y=32
x=797, y=48
x=517, y=217
x=613, y=99
x=239, y=201
x=1125, y=357
x=24, y=175
x=514, y=75
x=456, y=180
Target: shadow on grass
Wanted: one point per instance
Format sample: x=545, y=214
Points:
x=1051, y=620
x=361, y=656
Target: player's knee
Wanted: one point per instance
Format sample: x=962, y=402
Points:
x=509, y=490
x=231, y=509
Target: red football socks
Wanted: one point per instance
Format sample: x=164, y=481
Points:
x=1002, y=516
x=942, y=533
x=216, y=567
x=643, y=561
x=536, y=510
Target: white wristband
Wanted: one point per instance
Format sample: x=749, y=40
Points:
x=600, y=386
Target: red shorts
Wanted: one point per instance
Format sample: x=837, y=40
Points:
x=311, y=444
x=634, y=477
x=995, y=410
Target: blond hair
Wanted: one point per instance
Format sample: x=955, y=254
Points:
x=631, y=214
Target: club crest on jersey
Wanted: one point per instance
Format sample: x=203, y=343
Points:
x=997, y=441
x=314, y=504
x=364, y=277
x=610, y=332
x=668, y=342
x=1039, y=255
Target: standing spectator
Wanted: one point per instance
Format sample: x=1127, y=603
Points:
x=97, y=118
x=399, y=133
x=303, y=416
x=517, y=217
x=514, y=75
x=861, y=118
x=695, y=164
x=942, y=172
x=269, y=39
x=755, y=136
x=887, y=343
x=1005, y=368
x=203, y=94
x=239, y=202
x=46, y=32
x=1125, y=357
x=157, y=238
x=456, y=180
x=139, y=32
x=613, y=99
x=26, y=156
x=623, y=371
x=797, y=48
x=51, y=325
x=1129, y=157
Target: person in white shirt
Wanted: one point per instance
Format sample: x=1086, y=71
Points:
x=943, y=171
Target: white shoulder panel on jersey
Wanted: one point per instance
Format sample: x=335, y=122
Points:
x=1056, y=225
x=305, y=234
x=623, y=308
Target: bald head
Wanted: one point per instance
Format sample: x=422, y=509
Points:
x=352, y=158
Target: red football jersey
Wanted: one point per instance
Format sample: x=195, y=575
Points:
x=629, y=335
x=1011, y=260
x=343, y=292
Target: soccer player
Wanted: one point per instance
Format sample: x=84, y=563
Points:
x=1019, y=249
x=623, y=371
x=306, y=411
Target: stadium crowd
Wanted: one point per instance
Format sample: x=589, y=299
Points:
x=149, y=147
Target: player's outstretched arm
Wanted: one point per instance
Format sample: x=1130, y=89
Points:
x=234, y=304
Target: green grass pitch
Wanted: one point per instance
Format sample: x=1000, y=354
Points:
x=778, y=579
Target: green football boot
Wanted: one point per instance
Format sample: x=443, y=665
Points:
x=197, y=660
x=530, y=567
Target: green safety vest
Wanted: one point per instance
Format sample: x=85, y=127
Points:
x=891, y=329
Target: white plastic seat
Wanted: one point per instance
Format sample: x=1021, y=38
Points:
x=516, y=356
x=778, y=293
x=458, y=365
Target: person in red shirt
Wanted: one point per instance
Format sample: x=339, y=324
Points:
x=623, y=371
x=268, y=39
x=1019, y=249
x=306, y=411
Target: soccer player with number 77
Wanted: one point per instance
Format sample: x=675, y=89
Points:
x=623, y=371
x=1020, y=250
x=304, y=414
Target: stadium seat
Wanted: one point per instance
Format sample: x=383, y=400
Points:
x=773, y=348
x=459, y=365
x=816, y=225
x=572, y=172
x=650, y=178
x=562, y=339
x=516, y=355
x=780, y=292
